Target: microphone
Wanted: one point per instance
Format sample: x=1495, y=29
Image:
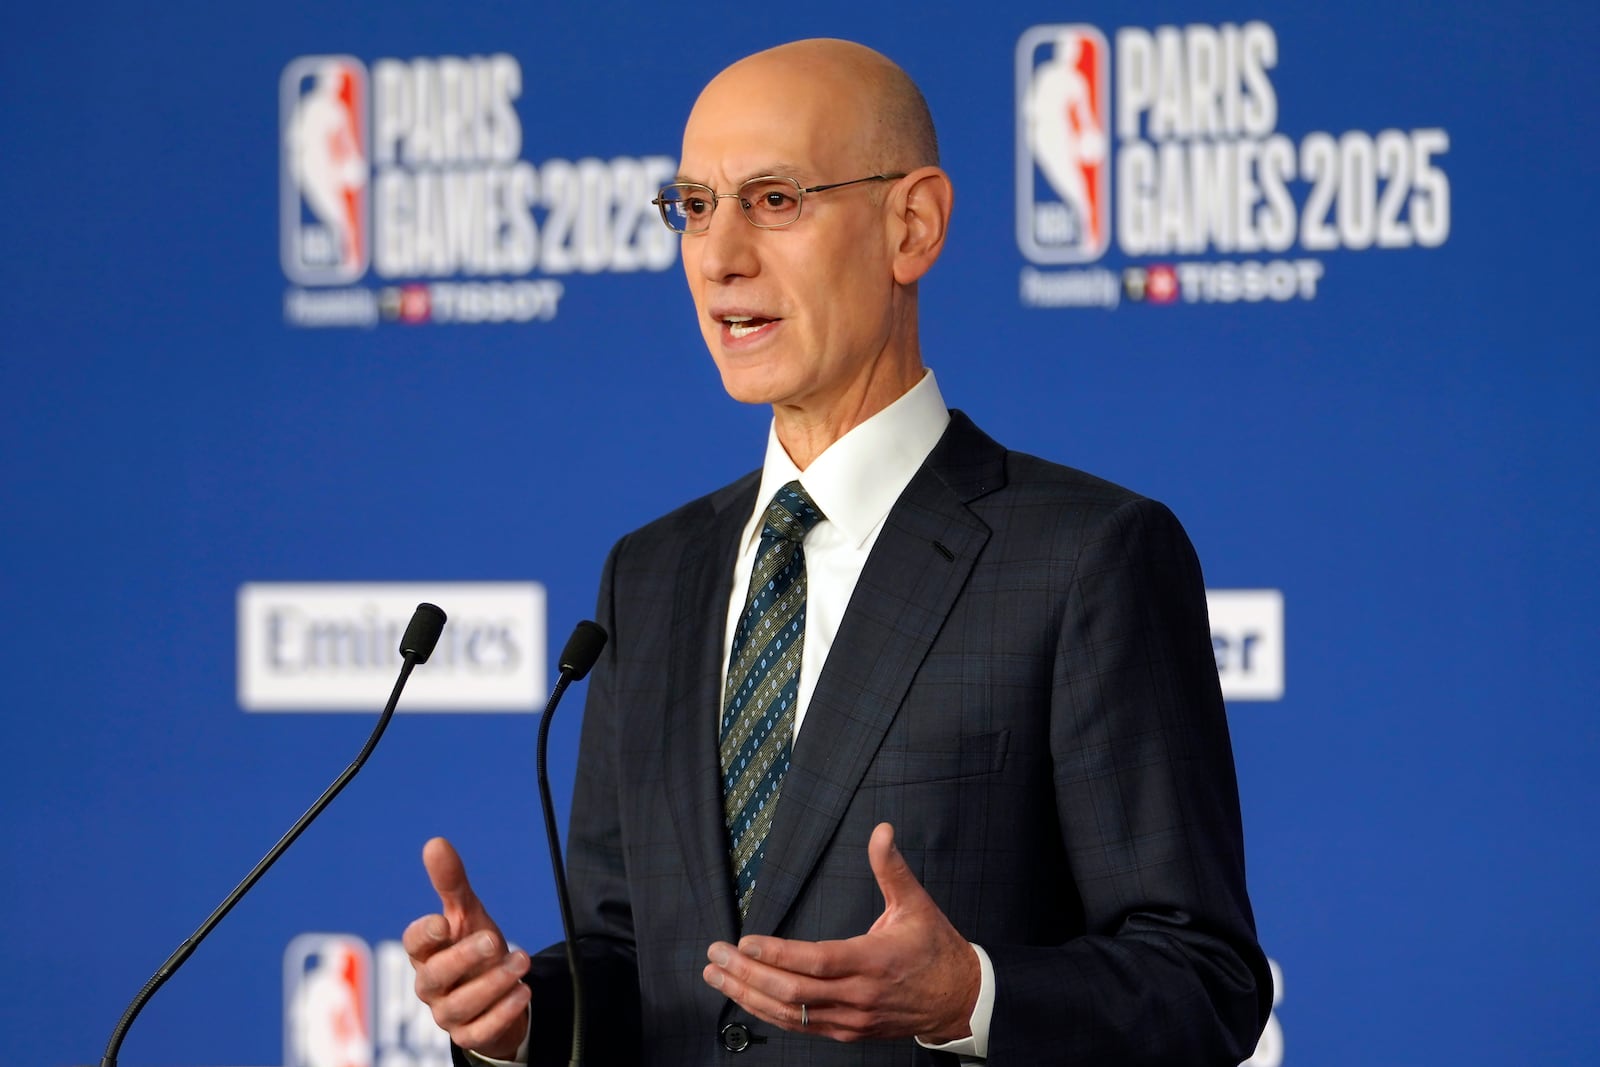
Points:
x=579, y=655
x=421, y=635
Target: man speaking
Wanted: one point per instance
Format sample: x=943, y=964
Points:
x=906, y=749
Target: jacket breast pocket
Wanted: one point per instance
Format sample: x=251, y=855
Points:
x=946, y=759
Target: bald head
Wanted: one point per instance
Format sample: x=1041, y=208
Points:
x=816, y=315
x=877, y=111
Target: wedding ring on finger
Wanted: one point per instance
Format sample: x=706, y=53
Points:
x=805, y=1017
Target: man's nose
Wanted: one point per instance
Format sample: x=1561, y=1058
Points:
x=728, y=243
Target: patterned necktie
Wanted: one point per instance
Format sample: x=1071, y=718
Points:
x=763, y=677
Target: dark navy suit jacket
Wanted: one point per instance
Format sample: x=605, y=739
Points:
x=1023, y=684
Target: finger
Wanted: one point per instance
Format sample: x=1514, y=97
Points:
x=489, y=1014
x=896, y=881
x=815, y=959
x=425, y=936
x=449, y=877
x=473, y=997
x=832, y=1008
x=845, y=1009
x=449, y=969
x=784, y=985
x=781, y=1010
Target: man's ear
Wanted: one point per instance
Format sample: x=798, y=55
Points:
x=920, y=216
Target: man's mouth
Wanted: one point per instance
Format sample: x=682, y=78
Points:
x=741, y=326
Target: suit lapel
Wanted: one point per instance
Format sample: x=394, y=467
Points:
x=689, y=742
x=929, y=544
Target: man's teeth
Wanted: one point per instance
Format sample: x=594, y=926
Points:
x=743, y=325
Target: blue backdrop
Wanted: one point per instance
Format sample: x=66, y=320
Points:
x=1382, y=404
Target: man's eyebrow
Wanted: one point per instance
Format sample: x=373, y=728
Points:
x=781, y=170
x=771, y=170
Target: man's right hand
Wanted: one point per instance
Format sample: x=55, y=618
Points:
x=466, y=974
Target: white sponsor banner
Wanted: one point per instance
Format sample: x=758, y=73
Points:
x=1269, y=1048
x=1247, y=638
x=334, y=646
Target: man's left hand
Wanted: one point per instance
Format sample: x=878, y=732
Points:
x=911, y=975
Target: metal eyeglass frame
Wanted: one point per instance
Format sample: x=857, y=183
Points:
x=661, y=202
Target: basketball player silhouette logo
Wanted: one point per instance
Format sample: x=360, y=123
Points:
x=326, y=160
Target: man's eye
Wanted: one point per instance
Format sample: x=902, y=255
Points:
x=696, y=206
x=771, y=200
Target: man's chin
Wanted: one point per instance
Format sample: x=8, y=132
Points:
x=751, y=385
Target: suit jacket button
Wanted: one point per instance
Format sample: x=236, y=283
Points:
x=736, y=1037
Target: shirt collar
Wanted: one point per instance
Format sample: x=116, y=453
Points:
x=858, y=478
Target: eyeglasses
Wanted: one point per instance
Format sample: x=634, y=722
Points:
x=769, y=202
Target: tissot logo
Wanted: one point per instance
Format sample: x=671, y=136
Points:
x=334, y=646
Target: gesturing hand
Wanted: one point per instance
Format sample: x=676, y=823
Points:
x=465, y=973
x=911, y=975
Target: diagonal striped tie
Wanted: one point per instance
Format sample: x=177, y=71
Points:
x=763, y=675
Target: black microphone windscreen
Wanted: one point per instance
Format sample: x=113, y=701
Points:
x=422, y=633
x=583, y=648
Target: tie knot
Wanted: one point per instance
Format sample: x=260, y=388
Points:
x=791, y=514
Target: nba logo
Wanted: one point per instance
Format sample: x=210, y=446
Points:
x=1063, y=144
x=323, y=117
x=327, y=1000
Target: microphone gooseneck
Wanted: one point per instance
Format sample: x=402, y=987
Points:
x=421, y=635
x=579, y=655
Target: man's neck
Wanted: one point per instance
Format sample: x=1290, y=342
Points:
x=807, y=431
